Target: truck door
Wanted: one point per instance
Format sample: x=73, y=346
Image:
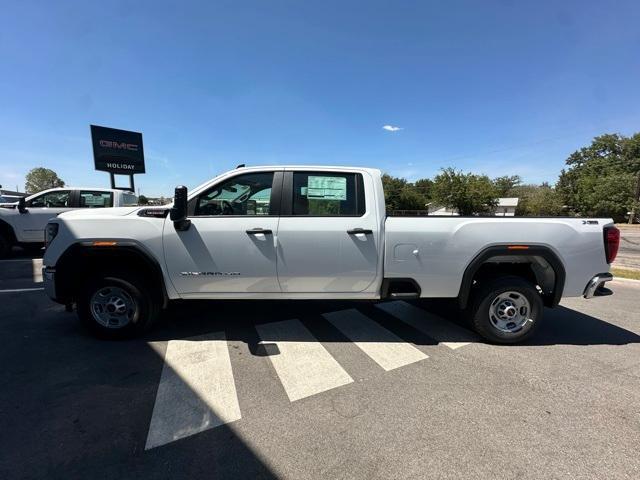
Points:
x=229, y=247
x=328, y=234
x=40, y=210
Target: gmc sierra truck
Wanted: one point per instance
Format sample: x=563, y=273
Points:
x=23, y=221
x=317, y=233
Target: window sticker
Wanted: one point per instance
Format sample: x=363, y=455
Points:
x=327, y=188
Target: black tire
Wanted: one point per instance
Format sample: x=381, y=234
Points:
x=5, y=246
x=139, y=318
x=485, y=318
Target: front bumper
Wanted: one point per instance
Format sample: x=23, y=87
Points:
x=596, y=288
x=49, y=282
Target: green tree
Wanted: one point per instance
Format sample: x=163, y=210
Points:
x=538, y=200
x=41, y=178
x=601, y=179
x=424, y=187
x=142, y=200
x=411, y=199
x=468, y=193
x=505, y=185
x=393, y=187
x=402, y=195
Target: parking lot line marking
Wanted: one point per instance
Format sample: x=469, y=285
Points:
x=18, y=290
x=36, y=270
x=303, y=365
x=384, y=347
x=196, y=391
x=435, y=327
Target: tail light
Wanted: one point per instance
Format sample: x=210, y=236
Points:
x=611, y=243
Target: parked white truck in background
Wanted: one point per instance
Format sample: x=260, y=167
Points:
x=317, y=233
x=23, y=222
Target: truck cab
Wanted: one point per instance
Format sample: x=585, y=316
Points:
x=304, y=232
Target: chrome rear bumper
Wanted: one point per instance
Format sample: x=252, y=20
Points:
x=595, y=287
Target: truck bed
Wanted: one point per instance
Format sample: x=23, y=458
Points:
x=434, y=251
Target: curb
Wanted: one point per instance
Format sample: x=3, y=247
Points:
x=621, y=279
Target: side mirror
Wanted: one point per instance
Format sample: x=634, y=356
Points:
x=178, y=213
x=21, y=205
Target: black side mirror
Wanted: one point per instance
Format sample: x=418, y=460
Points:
x=22, y=208
x=178, y=213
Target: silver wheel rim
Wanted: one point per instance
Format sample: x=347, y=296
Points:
x=510, y=312
x=113, y=307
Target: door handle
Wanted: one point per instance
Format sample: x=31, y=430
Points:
x=256, y=231
x=354, y=231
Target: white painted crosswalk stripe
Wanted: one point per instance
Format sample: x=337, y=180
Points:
x=196, y=392
x=446, y=333
x=303, y=365
x=384, y=347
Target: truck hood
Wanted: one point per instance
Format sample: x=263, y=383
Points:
x=99, y=212
x=9, y=209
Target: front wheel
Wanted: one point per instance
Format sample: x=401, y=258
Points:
x=5, y=246
x=507, y=310
x=117, y=306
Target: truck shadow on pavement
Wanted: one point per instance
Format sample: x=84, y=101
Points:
x=561, y=325
x=566, y=326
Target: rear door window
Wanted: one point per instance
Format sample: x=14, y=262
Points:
x=94, y=199
x=328, y=194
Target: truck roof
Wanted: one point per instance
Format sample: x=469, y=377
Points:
x=309, y=167
x=93, y=189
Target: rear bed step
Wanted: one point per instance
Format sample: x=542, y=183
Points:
x=403, y=295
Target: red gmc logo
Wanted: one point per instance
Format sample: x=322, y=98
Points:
x=119, y=145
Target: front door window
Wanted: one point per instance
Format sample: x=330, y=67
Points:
x=55, y=199
x=248, y=194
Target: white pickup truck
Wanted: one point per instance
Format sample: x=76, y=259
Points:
x=317, y=233
x=23, y=222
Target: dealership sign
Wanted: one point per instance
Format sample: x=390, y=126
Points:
x=117, y=151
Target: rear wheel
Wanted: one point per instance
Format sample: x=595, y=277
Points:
x=507, y=310
x=118, y=306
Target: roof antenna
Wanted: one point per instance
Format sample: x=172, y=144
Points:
x=240, y=166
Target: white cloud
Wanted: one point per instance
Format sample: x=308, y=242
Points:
x=391, y=128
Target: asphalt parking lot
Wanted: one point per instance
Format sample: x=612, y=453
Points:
x=317, y=390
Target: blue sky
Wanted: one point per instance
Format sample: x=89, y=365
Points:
x=496, y=87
